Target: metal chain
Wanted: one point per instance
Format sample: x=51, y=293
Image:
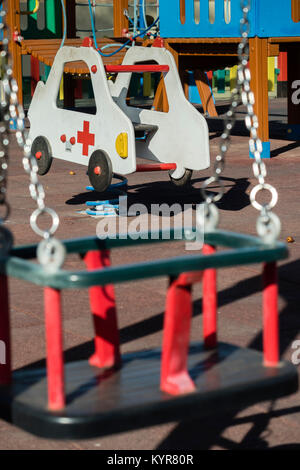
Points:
x=243, y=91
x=11, y=109
x=4, y=124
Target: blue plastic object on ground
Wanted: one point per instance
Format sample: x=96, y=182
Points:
x=108, y=207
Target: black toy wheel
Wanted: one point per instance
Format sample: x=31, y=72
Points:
x=41, y=150
x=185, y=179
x=100, y=171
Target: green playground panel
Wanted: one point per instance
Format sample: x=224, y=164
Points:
x=53, y=21
x=243, y=249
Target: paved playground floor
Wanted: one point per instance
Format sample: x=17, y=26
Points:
x=141, y=305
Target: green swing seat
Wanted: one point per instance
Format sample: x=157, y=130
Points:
x=142, y=388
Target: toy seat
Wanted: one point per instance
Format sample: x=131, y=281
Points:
x=144, y=127
x=112, y=393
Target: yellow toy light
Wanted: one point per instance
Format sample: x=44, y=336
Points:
x=122, y=144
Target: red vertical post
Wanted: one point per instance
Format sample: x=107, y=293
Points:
x=283, y=75
x=35, y=73
x=5, y=354
x=209, y=77
x=270, y=315
x=103, y=306
x=282, y=65
x=175, y=378
x=209, y=302
x=54, y=349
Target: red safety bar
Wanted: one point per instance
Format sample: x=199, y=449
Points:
x=136, y=68
x=103, y=307
x=156, y=167
x=209, y=302
x=54, y=349
x=270, y=315
x=175, y=378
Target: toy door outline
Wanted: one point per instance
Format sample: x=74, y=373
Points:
x=182, y=136
x=48, y=120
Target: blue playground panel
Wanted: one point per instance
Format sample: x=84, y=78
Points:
x=194, y=96
x=266, y=150
x=268, y=18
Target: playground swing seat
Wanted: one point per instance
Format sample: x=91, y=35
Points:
x=111, y=392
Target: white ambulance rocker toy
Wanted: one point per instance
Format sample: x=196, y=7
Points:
x=105, y=142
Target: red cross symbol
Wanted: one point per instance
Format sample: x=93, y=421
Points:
x=85, y=138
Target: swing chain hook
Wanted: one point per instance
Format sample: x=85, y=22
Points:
x=12, y=110
x=243, y=93
x=210, y=199
x=268, y=224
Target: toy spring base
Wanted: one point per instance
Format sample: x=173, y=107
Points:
x=100, y=402
x=108, y=207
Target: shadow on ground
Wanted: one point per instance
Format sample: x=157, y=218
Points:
x=164, y=192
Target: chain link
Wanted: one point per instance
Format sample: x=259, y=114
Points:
x=12, y=109
x=244, y=93
x=4, y=122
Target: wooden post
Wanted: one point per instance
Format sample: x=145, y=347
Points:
x=160, y=102
x=185, y=81
x=259, y=82
x=296, y=10
x=205, y=93
x=120, y=20
x=182, y=11
x=13, y=23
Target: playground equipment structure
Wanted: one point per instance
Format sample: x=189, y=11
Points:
x=207, y=39
x=42, y=35
x=106, y=140
x=113, y=393
x=201, y=36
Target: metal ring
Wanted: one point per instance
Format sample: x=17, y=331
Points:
x=261, y=187
x=51, y=254
x=217, y=197
x=268, y=227
x=36, y=229
x=207, y=217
